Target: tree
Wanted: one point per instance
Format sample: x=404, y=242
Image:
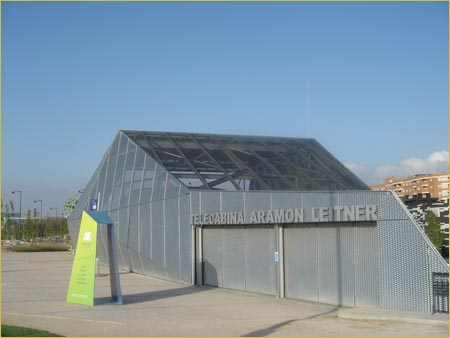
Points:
x=64, y=228
x=71, y=203
x=35, y=224
x=28, y=227
x=8, y=223
x=433, y=229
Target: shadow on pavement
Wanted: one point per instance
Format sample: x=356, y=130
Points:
x=162, y=294
x=274, y=328
x=153, y=295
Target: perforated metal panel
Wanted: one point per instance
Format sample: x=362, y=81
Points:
x=367, y=278
x=345, y=265
x=123, y=225
x=138, y=173
x=105, y=203
x=145, y=228
x=172, y=235
x=212, y=256
x=290, y=200
x=232, y=201
x=234, y=258
x=260, y=268
x=122, y=144
x=158, y=232
x=255, y=201
x=133, y=228
x=118, y=179
x=404, y=267
x=328, y=265
x=159, y=184
x=210, y=202
x=127, y=179
x=323, y=263
x=335, y=264
x=301, y=262
x=173, y=188
x=195, y=202
x=148, y=180
x=185, y=239
x=239, y=257
x=389, y=208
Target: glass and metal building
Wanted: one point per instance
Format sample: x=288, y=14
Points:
x=272, y=215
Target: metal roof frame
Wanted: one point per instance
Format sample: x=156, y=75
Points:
x=229, y=162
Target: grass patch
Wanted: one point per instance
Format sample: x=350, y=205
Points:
x=18, y=331
x=39, y=247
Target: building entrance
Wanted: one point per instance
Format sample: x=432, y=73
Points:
x=332, y=263
x=240, y=258
x=321, y=262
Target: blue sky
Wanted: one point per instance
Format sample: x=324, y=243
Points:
x=74, y=74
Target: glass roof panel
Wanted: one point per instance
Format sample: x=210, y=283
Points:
x=231, y=162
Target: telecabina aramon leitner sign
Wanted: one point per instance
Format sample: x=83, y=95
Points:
x=339, y=213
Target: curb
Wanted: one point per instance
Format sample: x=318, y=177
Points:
x=398, y=316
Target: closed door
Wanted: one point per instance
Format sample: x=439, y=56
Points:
x=333, y=263
x=240, y=258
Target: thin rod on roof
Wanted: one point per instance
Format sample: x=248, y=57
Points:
x=307, y=102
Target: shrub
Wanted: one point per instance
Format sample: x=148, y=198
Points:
x=40, y=247
x=17, y=331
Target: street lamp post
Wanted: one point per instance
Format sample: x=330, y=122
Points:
x=41, y=211
x=20, y=209
x=56, y=216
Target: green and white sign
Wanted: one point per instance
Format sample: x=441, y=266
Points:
x=82, y=280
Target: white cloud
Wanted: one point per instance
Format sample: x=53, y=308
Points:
x=356, y=168
x=436, y=162
x=362, y=172
x=386, y=170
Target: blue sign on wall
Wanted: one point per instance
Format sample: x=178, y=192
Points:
x=93, y=205
x=276, y=256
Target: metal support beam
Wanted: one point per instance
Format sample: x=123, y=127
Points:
x=228, y=178
x=281, y=262
x=322, y=168
x=241, y=165
x=205, y=151
x=193, y=256
x=152, y=149
x=267, y=163
x=116, y=293
x=285, y=159
x=189, y=163
x=199, y=262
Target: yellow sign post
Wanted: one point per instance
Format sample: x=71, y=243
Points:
x=82, y=280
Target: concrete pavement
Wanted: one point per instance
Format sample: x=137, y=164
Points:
x=34, y=287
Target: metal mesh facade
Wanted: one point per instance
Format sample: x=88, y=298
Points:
x=152, y=183
x=149, y=207
x=387, y=263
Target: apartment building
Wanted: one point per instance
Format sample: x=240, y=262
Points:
x=422, y=185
